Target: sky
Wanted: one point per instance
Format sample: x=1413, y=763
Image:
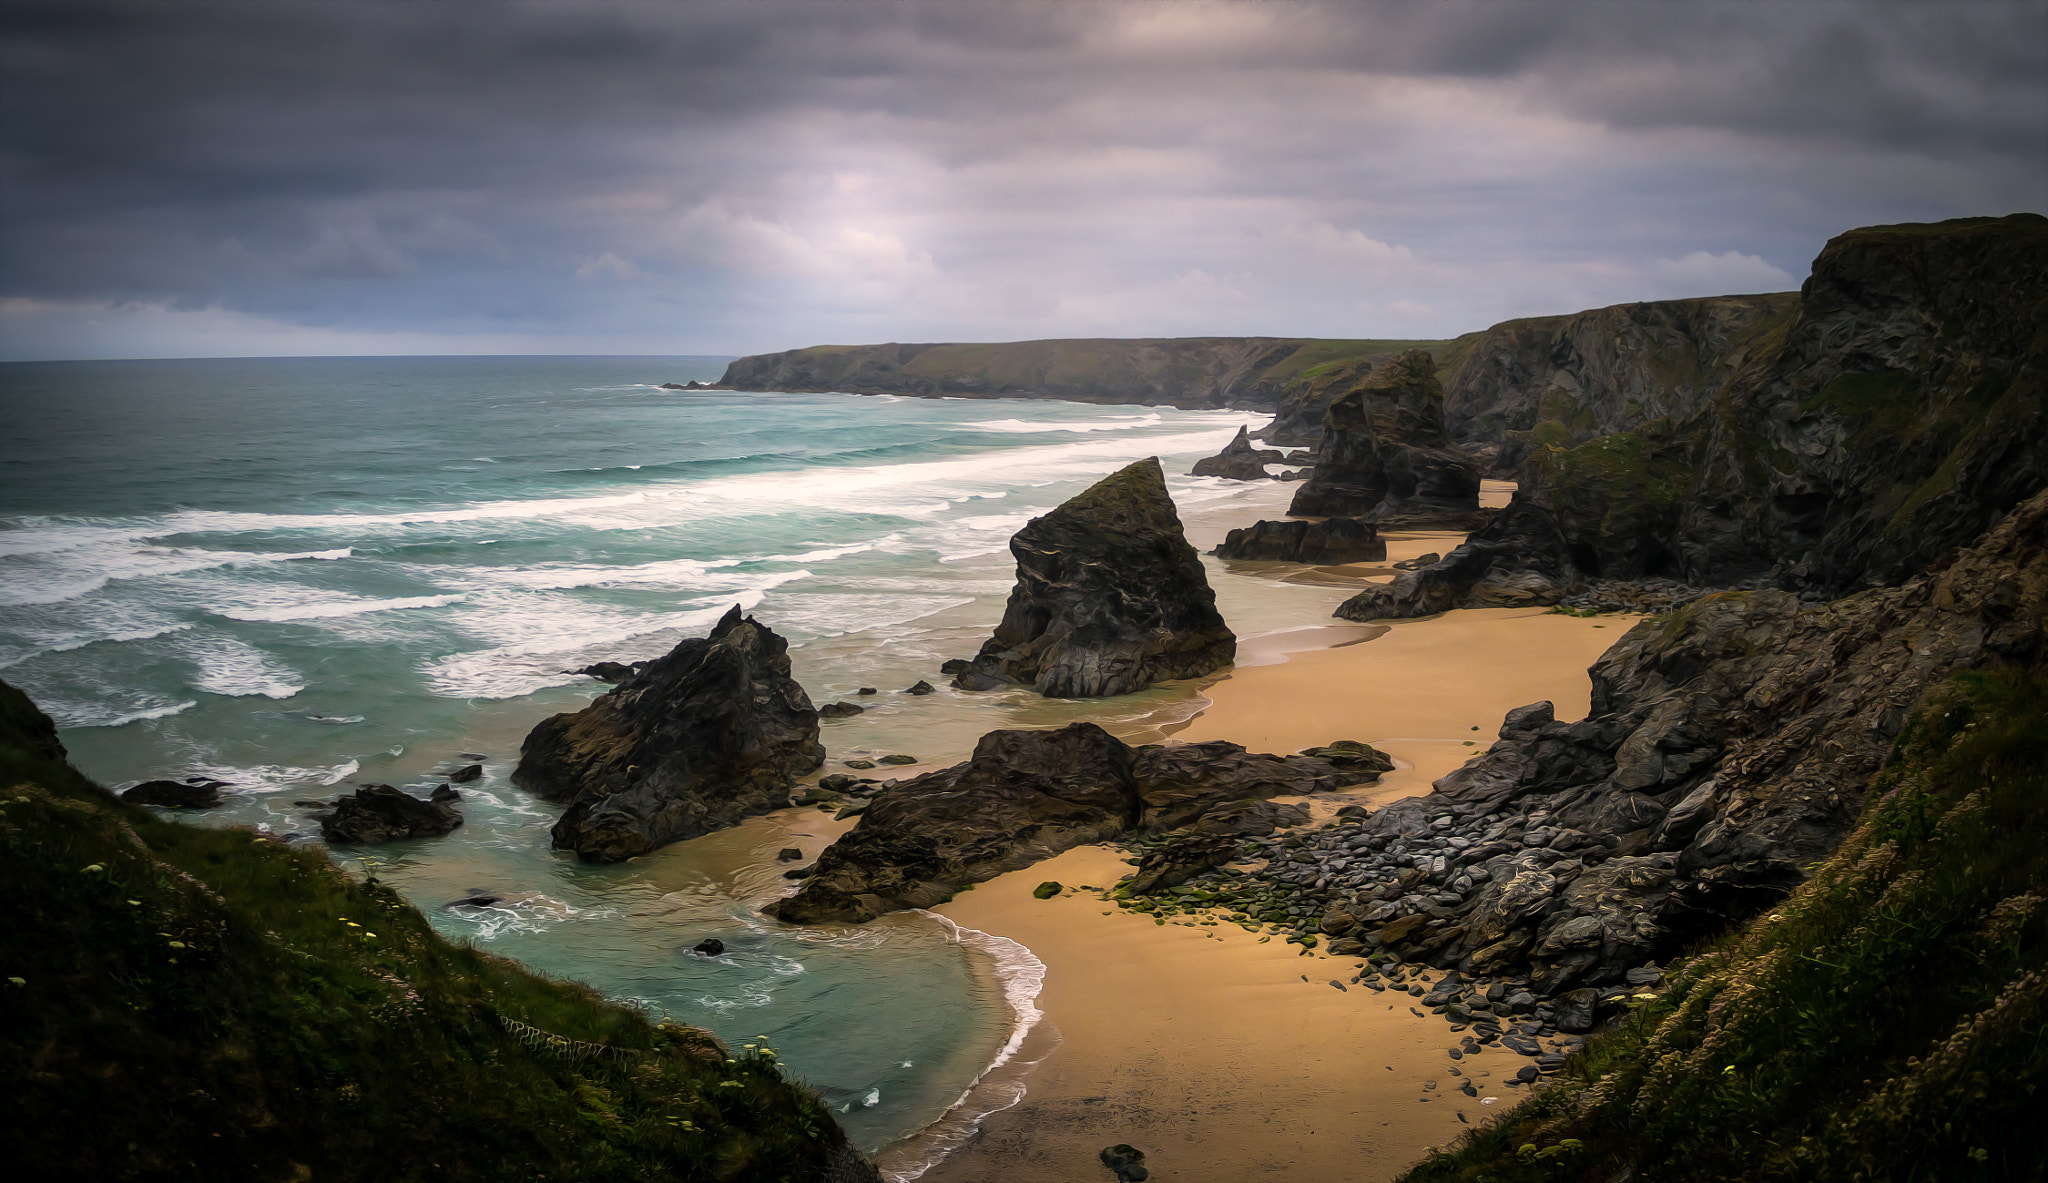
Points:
x=702, y=177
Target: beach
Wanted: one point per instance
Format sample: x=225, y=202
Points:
x=1227, y=1058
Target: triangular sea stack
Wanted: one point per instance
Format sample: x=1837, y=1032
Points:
x=712, y=733
x=1110, y=598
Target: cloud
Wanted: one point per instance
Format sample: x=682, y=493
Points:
x=727, y=175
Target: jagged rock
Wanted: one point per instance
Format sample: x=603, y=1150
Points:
x=1332, y=540
x=920, y=689
x=171, y=794
x=443, y=794
x=1419, y=562
x=1728, y=748
x=611, y=671
x=381, y=813
x=714, y=732
x=466, y=773
x=709, y=947
x=1384, y=450
x=1025, y=796
x=1517, y=560
x=1238, y=461
x=1110, y=598
x=840, y=710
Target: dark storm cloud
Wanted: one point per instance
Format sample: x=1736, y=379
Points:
x=707, y=176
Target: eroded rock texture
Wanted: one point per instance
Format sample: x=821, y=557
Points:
x=1897, y=416
x=1332, y=540
x=1238, y=461
x=1728, y=747
x=1385, y=452
x=1028, y=795
x=1110, y=598
x=714, y=732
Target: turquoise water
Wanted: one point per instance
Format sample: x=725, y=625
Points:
x=298, y=574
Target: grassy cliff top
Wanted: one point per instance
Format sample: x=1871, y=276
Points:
x=208, y=1004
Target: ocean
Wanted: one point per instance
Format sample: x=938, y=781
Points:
x=297, y=575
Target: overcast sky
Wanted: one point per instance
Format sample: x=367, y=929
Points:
x=478, y=176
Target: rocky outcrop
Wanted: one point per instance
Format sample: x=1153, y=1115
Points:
x=381, y=813
x=1027, y=795
x=1896, y=417
x=1560, y=381
x=1245, y=372
x=198, y=793
x=1238, y=461
x=1298, y=415
x=714, y=732
x=1517, y=560
x=1384, y=449
x=1728, y=748
x=1110, y=598
x=1332, y=540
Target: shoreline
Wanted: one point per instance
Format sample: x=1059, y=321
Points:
x=1274, y=1059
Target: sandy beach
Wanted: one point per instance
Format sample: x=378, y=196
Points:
x=1225, y=1058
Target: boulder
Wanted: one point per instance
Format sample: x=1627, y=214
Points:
x=1238, y=461
x=172, y=794
x=714, y=732
x=840, y=710
x=381, y=813
x=1517, y=560
x=466, y=773
x=1385, y=450
x=1332, y=540
x=1023, y=797
x=1110, y=598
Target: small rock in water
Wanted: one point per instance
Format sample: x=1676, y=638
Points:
x=867, y=690
x=171, y=794
x=899, y=758
x=840, y=710
x=709, y=947
x=862, y=765
x=922, y=687
x=466, y=773
x=445, y=794
x=788, y=854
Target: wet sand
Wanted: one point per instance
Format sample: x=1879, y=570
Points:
x=1204, y=1047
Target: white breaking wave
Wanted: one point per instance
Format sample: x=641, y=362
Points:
x=55, y=575
x=1024, y=426
x=327, y=609
x=237, y=669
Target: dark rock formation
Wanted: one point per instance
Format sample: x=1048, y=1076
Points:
x=172, y=794
x=1897, y=416
x=1298, y=415
x=1560, y=381
x=1419, y=562
x=1238, y=461
x=381, y=813
x=921, y=688
x=840, y=710
x=1110, y=598
x=612, y=671
x=465, y=774
x=709, y=947
x=1384, y=449
x=1332, y=540
x=1728, y=748
x=1516, y=560
x=1180, y=859
x=1027, y=795
x=714, y=732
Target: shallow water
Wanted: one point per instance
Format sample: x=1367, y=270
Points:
x=295, y=575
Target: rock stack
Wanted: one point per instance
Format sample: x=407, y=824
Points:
x=1110, y=598
x=714, y=732
x=1385, y=451
x=1238, y=461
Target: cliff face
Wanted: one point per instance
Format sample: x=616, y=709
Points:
x=1556, y=381
x=1897, y=415
x=1246, y=372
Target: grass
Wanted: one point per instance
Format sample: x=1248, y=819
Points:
x=1888, y=1021
x=188, y=1003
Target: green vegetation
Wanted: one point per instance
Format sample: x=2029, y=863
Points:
x=188, y=1003
x=1888, y=1021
